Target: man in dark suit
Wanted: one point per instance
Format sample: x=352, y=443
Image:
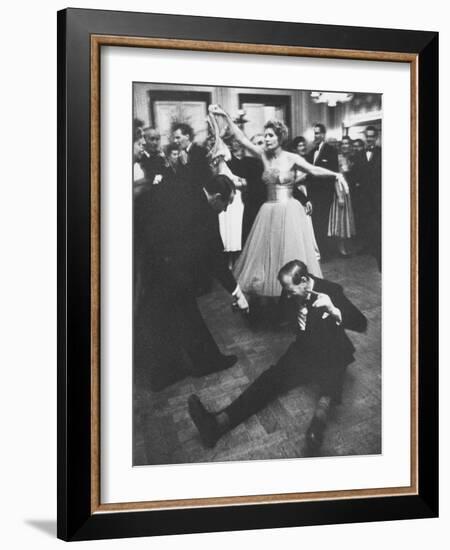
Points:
x=152, y=160
x=321, y=353
x=371, y=182
x=194, y=170
x=321, y=190
x=192, y=155
x=254, y=193
x=179, y=233
x=298, y=146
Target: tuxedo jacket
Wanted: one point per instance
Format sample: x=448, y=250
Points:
x=372, y=174
x=197, y=171
x=327, y=158
x=324, y=342
x=179, y=235
x=153, y=165
x=367, y=178
x=251, y=169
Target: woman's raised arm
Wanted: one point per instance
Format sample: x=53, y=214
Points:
x=236, y=131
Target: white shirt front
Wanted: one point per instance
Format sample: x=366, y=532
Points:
x=317, y=152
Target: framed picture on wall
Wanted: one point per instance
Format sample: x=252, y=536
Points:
x=245, y=301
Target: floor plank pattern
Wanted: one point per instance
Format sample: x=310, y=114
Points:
x=164, y=433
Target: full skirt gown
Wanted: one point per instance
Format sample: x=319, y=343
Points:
x=281, y=232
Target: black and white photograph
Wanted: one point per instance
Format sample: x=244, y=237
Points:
x=257, y=265
x=223, y=294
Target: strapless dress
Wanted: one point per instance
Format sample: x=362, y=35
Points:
x=282, y=232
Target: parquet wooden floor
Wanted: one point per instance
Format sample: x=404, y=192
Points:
x=164, y=433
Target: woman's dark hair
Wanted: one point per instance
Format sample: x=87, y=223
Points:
x=280, y=129
x=138, y=128
x=171, y=147
x=220, y=184
x=295, y=142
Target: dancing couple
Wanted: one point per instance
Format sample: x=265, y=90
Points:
x=281, y=231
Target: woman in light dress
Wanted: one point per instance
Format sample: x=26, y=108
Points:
x=281, y=231
x=341, y=224
x=230, y=222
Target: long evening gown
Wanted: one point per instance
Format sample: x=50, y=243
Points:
x=341, y=222
x=281, y=233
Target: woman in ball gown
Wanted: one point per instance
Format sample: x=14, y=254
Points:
x=281, y=231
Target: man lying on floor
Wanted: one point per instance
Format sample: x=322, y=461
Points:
x=320, y=353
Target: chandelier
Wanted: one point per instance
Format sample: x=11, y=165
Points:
x=331, y=98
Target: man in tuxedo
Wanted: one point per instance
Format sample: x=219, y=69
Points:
x=371, y=181
x=152, y=159
x=320, y=353
x=192, y=156
x=178, y=230
x=321, y=190
x=152, y=163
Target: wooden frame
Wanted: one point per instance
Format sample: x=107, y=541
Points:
x=81, y=34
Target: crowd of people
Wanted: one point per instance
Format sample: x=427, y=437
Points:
x=342, y=222
x=278, y=209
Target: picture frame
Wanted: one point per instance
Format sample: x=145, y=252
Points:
x=81, y=35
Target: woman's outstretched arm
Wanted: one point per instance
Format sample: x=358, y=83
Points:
x=311, y=169
x=318, y=171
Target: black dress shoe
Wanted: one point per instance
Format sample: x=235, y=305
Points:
x=224, y=362
x=314, y=435
x=159, y=382
x=204, y=421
